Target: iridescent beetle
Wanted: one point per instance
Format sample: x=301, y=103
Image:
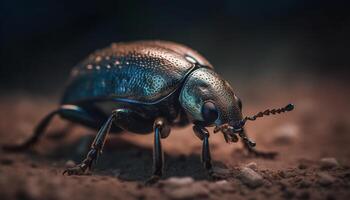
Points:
x=149, y=86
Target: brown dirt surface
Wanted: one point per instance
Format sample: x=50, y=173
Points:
x=318, y=128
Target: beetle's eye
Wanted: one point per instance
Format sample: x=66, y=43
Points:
x=209, y=112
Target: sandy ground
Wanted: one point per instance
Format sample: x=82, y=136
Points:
x=318, y=128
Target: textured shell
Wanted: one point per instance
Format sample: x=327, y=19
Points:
x=142, y=72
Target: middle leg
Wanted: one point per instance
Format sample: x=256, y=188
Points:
x=203, y=134
x=161, y=130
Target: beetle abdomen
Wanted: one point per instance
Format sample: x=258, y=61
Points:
x=142, y=72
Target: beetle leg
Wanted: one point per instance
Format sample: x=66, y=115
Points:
x=249, y=146
x=40, y=129
x=203, y=134
x=161, y=130
x=206, y=157
x=95, y=150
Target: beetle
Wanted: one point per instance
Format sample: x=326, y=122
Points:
x=150, y=86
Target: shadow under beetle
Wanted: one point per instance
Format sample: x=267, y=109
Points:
x=149, y=86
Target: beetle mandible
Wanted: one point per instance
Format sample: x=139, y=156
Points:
x=150, y=86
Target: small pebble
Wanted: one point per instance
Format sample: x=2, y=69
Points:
x=221, y=182
x=251, y=178
x=329, y=163
x=286, y=134
x=178, y=181
x=325, y=179
x=252, y=165
x=70, y=163
x=221, y=171
x=221, y=186
x=287, y=173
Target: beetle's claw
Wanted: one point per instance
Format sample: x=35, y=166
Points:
x=77, y=170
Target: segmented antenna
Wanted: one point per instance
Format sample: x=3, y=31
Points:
x=238, y=125
x=267, y=112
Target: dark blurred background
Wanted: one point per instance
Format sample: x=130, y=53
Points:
x=245, y=40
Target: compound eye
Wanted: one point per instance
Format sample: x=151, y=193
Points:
x=209, y=112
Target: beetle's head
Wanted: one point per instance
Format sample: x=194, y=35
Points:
x=210, y=101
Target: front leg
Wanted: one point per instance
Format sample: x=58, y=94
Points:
x=249, y=146
x=203, y=134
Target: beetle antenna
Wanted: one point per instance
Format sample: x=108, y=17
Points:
x=267, y=112
x=287, y=108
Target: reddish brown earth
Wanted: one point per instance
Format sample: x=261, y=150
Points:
x=318, y=128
